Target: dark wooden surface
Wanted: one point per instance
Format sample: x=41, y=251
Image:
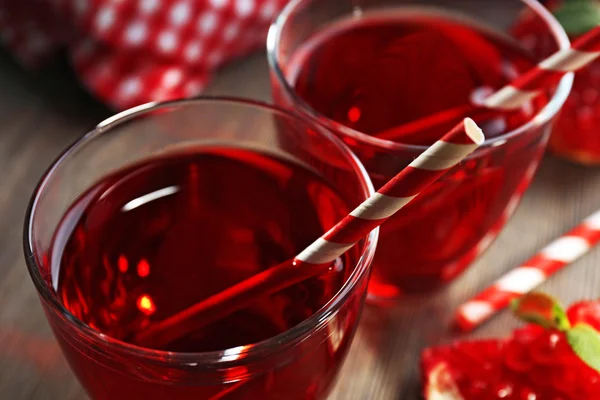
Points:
x=41, y=113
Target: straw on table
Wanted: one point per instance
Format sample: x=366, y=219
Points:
x=551, y=259
x=316, y=258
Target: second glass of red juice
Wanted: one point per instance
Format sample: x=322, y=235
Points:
x=165, y=205
x=392, y=76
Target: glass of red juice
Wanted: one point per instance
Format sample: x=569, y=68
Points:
x=166, y=204
x=390, y=77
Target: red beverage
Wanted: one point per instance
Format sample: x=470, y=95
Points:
x=382, y=70
x=158, y=237
x=356, y=72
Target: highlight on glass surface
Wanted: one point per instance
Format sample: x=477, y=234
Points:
x=390, y=77
x=167, y=204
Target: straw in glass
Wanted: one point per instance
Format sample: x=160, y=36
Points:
x=316, y=258
x=523, y=89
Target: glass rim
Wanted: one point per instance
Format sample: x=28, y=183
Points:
x=219, y=358
x=542, y=117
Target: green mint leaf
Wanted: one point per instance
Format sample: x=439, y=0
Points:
x=578, y=16
x=560, y=318
x=585, y=342
x=541, y=309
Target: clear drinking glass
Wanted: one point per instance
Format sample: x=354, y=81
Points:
x=298, y=363
x=375, y=72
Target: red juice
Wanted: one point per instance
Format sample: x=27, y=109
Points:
x=158, y=237
x=380, y=71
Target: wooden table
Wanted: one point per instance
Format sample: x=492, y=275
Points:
x=41, y=113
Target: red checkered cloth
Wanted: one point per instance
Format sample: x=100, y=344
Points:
x=128, y=52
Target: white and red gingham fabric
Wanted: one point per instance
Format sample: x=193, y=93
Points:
x=127, y=52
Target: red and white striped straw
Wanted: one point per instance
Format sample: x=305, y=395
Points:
x=423, y=171
x=521, y=280
x=434, y=162
x=547, y=73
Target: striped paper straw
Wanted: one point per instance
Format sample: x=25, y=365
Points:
x=547, y=73
x=422, y=172
x=514, y=95
x=399, y=191
x=551, y=259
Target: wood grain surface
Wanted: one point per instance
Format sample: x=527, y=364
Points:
x=41, y=113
